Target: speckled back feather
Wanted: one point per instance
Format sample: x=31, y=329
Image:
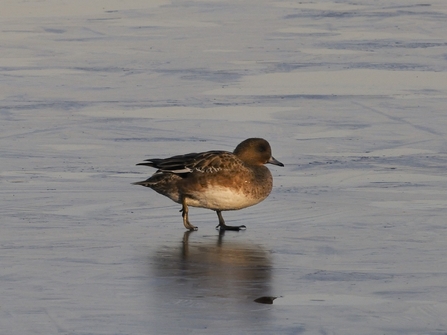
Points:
x=204, y=162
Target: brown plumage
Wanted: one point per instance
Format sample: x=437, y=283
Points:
x=217, y=180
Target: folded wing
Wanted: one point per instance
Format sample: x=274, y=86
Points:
x=205, y=162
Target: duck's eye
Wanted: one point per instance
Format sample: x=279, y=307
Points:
x=262, y=148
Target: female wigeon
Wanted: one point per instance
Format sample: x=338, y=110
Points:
x=218, y=180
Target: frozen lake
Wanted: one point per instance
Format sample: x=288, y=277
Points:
x=352, y=97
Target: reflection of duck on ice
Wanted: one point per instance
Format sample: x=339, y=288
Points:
x=232, y=270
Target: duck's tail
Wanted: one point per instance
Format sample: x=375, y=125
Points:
x=151, y=162
x=146, y=183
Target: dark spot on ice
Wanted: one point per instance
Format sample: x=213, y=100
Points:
x=265, y=300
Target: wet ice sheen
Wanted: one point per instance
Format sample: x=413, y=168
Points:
x=352, y=98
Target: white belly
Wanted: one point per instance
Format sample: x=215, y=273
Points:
x=223, y=199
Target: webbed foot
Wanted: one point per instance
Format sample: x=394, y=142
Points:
x=222, y=226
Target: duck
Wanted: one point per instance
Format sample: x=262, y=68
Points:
x=216, y=180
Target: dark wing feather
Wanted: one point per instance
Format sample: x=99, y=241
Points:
x=205, y=162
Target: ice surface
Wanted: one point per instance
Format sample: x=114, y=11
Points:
x=352, y=97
